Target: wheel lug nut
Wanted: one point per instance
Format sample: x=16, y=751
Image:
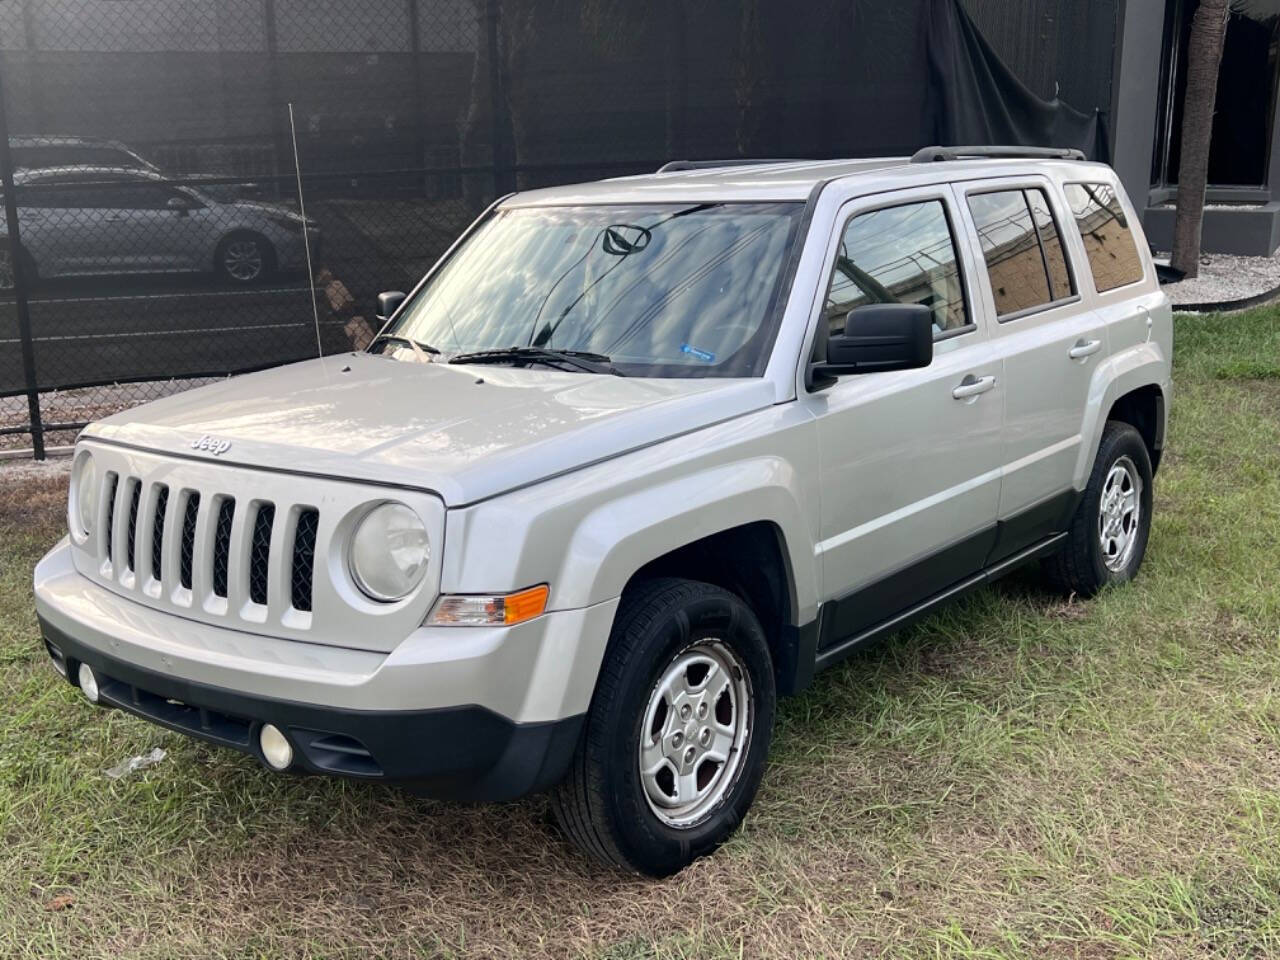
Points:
x=677, y=738
x=702, y=711
x=705, y=736
x=685, y=711
x=689, y=755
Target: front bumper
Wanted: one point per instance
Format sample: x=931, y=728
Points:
x=468, y=753
x=468, y=713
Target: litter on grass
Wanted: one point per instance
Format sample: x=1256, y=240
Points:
x=134, y=764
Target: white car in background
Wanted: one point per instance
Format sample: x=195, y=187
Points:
x=38, y=151
x=91, y=220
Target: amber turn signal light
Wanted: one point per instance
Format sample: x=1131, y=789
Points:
x=491, y=610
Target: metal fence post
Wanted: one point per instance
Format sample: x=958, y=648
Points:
x=503, y=172
x=419, y=107
x=281, y=140
x=19, y=278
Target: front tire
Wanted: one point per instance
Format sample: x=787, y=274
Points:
x=675, y=742
x=1107, y=538
x=244, y=258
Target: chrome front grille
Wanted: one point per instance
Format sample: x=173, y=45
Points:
x=257, y=550
x=212, y=545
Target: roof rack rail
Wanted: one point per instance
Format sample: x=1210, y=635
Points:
x=675, y=165
x=932, y=154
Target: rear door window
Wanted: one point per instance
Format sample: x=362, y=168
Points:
x=1108, y=240
x=1022, y=248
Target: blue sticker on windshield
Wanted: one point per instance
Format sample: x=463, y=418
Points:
x=702, y=355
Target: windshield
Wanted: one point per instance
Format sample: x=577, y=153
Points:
x=661, y=290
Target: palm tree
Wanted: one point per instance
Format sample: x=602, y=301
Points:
x=1204, y=54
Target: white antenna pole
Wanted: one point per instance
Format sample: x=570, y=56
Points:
x=306, y=238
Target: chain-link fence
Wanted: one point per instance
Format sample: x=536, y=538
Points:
x=152, y=232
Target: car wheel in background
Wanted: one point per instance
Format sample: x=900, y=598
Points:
x=244, y=258
x=675, y=742
x=1107, y=538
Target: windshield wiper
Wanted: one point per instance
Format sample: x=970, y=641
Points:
x=419, y=348
x=579, y=359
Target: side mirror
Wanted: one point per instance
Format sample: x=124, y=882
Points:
x=180, y=204
x=388, y=303
x=879, y=337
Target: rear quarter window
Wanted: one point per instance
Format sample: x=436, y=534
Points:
x=1108, y=240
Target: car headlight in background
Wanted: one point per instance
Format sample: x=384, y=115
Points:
x=289, y=222
x=389, y=552
x=82, y=506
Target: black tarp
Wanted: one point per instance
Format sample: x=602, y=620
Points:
x=974, y=98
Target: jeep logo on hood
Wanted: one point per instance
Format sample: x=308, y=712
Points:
x=212, y=445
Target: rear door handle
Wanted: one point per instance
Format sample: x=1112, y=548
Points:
x=1084, y=348
x=971, y=386
x=113, y=219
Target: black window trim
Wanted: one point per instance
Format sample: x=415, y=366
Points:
x=1136, y=246
x=941, y=195
x=1022, y=186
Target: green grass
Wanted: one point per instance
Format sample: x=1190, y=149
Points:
x=1017, y=777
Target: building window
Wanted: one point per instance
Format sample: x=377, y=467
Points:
x=1239, y=150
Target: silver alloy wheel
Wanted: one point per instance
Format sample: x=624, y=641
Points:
x=1119, y=514
x=243, y=259
x=696, y=730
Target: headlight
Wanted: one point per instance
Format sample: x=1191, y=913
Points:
x=389, y=552
x=82, y=510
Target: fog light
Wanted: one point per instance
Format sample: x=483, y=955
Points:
x=275, y=747
x=88, y=682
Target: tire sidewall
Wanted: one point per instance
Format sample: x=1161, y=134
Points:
x=1122, y=442
x=647, y=842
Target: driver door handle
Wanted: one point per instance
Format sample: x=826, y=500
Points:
x=1084, y=348
x=971, y=386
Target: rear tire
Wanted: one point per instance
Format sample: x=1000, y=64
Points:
x=675, y=742
x=1108, y=534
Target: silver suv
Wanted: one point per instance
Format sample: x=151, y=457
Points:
x=81, y=220
x=634, y=459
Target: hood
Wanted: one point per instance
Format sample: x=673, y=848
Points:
x=465, y=432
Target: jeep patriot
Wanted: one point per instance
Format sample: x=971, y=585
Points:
x=633, y=460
